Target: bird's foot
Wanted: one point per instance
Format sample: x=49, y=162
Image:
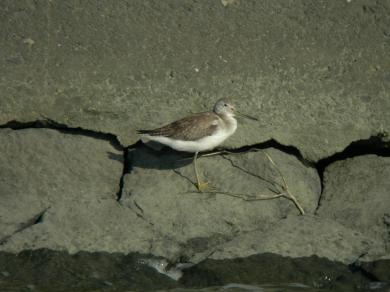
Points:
x=204, y=187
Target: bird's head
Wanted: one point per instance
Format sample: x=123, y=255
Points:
x=224, y=106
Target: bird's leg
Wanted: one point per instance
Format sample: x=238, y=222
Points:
x=201, y=186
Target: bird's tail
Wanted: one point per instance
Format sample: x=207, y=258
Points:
x=144, y=135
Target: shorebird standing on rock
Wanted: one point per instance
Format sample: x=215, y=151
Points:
x=198, y=132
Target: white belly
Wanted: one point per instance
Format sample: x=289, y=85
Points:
x=206, y=143
x=203, y=144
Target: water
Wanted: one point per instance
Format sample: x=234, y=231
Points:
x=45, y=270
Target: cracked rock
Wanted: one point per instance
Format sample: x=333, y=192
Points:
x=356, y=194
x=74, y=178
x=160, y=188
x=269, y=55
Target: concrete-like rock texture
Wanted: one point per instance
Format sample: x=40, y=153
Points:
x=59, y=191
x=297, y=237
x=160, y=188
x=316, y=74
x=356, y=194
x=70, y=181
x=78, y=78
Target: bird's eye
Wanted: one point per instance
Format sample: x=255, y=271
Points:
x=225, y=104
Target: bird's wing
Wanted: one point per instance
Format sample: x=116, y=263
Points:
x=189, y=128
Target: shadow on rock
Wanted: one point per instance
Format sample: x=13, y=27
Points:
x=145, y=157
x=115, y=156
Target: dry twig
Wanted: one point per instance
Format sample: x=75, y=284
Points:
x=286, y=193
x=245, y=197
x=284, y=187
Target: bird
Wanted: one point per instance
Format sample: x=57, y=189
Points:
x=198, y=132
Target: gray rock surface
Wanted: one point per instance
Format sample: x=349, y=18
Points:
x=160, y=189
x=357, y=195
x=70, y=181
x=58, y=191
x=316, y=74
x=299, y=236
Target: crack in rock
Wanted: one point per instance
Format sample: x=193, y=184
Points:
x=373, y=145
x=36, y=219
x=183, y=176
x=248, y=172
x=47, y=123
x=126, y=170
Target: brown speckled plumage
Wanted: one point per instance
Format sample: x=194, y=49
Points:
x=190, y=128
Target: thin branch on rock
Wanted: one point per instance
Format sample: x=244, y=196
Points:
x=221, y=152
x=246, y=197
x=278, y=194
x=216, y=153
x=286, y=192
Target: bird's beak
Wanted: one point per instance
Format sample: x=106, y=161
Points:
x=246, y=116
